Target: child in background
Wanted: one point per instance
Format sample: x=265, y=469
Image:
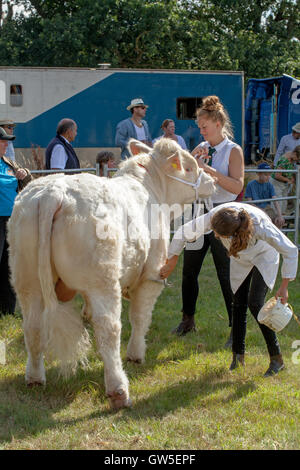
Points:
x=262, y=188
x=284, y=182
x=105, y=158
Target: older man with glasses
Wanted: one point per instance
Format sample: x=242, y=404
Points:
x=8, y=125
x=134, y=127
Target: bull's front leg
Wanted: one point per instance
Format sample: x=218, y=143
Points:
x=143, y=299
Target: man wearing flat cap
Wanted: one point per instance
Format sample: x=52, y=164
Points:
x=288, y=142
x=12, y=180
x=134, y=127
x=8, y=125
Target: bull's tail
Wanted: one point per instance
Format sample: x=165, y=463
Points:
x=66, y=339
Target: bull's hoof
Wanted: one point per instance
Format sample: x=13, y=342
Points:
x=136, y=361
x=119, y=399
x=35, y=384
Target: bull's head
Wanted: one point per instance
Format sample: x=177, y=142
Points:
x=185, y=180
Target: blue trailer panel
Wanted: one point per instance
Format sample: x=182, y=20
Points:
x=97, y=99
x=272, y=107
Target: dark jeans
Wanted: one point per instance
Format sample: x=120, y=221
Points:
x=251, y=294
x=192, y=263
x=7, y=295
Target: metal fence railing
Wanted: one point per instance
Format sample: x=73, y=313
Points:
x=95, y=170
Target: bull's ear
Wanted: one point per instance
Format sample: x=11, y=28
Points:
x=175, y=161
x=136, y=147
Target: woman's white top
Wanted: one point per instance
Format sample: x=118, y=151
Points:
x=220, y=162
x=263, y=249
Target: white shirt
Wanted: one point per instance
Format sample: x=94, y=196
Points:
x=287, y=144
x=263, y=249
x=140, y=132
x=59, y=156
x=220, y=162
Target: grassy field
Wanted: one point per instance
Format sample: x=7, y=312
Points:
x=184, y=396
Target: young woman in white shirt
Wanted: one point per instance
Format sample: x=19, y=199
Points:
x=226, y=165
x=253, y=243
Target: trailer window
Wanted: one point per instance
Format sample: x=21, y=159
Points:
x=16, y=95
x=186, y=107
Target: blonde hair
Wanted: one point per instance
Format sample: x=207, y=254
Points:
x=236, y=224
x=212, y=108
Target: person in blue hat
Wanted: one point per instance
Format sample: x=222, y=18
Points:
x=262, y=188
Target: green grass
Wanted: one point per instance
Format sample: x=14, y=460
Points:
x=183, y=396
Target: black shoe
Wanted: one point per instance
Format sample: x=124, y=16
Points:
x=237, y=360
x=186, y=325
x=276, y=365
x=228, y=344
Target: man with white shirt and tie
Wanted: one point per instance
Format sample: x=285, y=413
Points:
x=60, y=154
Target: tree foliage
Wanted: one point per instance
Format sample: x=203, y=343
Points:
x=260, y=37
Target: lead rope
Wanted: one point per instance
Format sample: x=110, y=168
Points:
x=207, y=201
x=294, y=315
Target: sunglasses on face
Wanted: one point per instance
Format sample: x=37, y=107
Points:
x=9, y=127
x=143, y=107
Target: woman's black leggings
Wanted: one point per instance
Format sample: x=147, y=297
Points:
x=192, y=263
x=7, y=295
x=251, y=293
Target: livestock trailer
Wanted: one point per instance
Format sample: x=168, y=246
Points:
x=37, y=98
x=272, y=107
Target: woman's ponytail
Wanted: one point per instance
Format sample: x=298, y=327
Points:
x=236, y=224
x=242, y=235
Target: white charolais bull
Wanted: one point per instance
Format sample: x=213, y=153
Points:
x=94, y=234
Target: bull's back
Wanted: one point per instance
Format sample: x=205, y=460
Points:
x=99, y=235
x=99, y=232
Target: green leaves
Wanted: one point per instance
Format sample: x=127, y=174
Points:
x=260, y=37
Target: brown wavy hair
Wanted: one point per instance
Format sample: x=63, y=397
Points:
x=236, y=224
x=213, y=109
x=166, y=122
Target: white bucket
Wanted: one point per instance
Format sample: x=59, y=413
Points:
x=275, y=315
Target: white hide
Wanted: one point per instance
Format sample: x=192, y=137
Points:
x=56, y=231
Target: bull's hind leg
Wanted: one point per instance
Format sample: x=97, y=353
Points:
x=106, y=312
x=32, y=308
x=142, y=302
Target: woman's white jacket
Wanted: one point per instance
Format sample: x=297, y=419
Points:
x=263, y=249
